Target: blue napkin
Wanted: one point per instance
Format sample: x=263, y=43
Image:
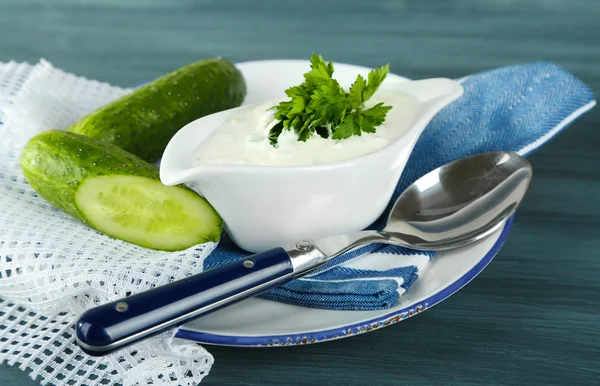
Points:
x=517, y=108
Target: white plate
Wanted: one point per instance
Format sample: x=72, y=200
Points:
x=263, y=323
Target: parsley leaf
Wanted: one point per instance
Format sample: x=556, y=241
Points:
x=329, y=101
x=321, y=105
x=376, y=77
x=320, y=71
x=377, y=113
x=356, y=92
x=368, y=125
x=346, y=128
x=274, y=132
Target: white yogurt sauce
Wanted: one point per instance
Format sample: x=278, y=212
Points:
x=244, y=137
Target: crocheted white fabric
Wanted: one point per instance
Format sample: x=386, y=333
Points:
x=52, y=267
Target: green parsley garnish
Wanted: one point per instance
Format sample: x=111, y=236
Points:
x=321, y=105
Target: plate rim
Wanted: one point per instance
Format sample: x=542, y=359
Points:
x=354, y=328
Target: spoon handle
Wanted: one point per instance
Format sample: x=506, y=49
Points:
x=112, y=326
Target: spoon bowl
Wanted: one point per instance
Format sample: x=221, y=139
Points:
x=449, y=207
x=460, y=202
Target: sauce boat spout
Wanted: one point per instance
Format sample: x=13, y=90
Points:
x=177, y=164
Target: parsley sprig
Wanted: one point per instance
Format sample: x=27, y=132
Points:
x=321, y=105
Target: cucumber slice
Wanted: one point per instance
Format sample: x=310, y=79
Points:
x=146, y=212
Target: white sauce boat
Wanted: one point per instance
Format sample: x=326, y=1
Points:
x=266, y=206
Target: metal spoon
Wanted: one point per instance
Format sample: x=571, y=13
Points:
x=449, y=207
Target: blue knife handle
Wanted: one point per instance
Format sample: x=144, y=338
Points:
x=112, y=326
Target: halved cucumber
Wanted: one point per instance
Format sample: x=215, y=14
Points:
x=116, y=192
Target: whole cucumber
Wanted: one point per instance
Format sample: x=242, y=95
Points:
x=144, y=121
x=116, y=192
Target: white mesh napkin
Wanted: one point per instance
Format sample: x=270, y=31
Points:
x=52, y=267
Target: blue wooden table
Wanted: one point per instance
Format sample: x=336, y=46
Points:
x=533, y=316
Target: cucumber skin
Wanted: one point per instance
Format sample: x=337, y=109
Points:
x=144, y=121
x=56, y=162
